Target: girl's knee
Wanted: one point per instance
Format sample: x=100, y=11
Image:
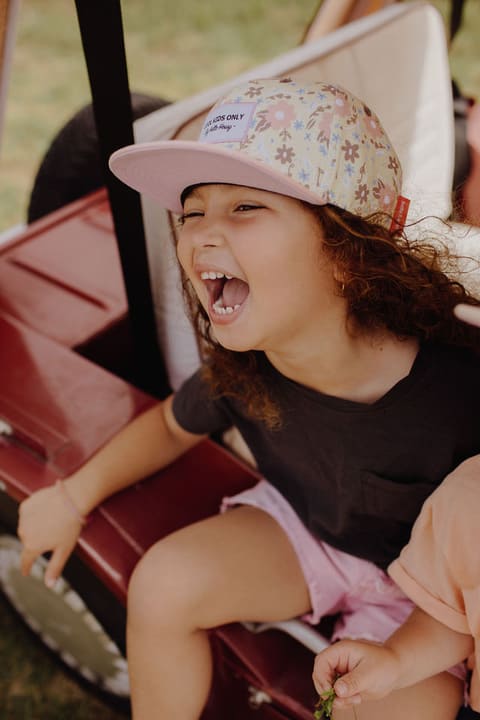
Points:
x=165, y=584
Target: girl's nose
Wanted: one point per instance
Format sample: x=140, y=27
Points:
x=209, y=234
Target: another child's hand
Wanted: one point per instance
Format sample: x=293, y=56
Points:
x=46, y=524
x=367, y=671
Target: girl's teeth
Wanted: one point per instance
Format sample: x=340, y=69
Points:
x=214, y=275
x=228, y=310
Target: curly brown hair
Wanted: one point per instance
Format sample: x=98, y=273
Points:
x=390, y=282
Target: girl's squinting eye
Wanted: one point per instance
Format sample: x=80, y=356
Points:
x=188, y=215
x=240, y=208
x=245, y=207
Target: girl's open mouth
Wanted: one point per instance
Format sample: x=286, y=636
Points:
x=226, y=293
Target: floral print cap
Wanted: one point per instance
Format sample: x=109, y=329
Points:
x=316, y=142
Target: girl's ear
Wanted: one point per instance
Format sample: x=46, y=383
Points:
x=339, y=275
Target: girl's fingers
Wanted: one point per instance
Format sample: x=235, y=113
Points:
x=325, y=669
x=27, y=558
x=351, y=668
x=342, y=703
x=350, y=685
x=56, y=565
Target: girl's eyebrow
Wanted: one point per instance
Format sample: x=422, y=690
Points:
x=190, y=191
x=190, y=194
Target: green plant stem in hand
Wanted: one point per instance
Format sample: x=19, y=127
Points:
x=325, y=702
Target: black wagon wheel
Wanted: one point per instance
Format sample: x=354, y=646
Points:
x=79, y=620
x=71, y=166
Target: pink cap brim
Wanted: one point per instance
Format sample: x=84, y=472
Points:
x=163, y=170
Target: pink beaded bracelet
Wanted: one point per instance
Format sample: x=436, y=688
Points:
x=83, y=519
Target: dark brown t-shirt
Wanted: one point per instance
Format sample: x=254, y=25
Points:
x=357, y=474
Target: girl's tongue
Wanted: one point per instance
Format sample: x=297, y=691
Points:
x=234, y=292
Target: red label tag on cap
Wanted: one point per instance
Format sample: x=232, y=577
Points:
x=400, y=213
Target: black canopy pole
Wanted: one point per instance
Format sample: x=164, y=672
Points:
x=456, y=13
x=101, y=30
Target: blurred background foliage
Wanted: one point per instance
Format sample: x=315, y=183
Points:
x=174, y=48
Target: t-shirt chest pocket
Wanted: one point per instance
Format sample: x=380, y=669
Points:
x=389, y=499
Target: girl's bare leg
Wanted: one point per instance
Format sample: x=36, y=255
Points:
x=236, y=566
x=438, y=698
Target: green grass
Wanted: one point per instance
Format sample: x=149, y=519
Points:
x=33, y=686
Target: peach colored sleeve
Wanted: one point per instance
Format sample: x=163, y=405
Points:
x=440, y=567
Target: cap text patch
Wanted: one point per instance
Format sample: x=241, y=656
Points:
x=227, y=123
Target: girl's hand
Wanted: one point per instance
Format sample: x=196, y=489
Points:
x=367, y=671
x=48, y=524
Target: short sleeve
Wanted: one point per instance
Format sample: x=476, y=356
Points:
x=439, y=567
x=197, y=411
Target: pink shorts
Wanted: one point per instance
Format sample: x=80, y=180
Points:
x=370, y=605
